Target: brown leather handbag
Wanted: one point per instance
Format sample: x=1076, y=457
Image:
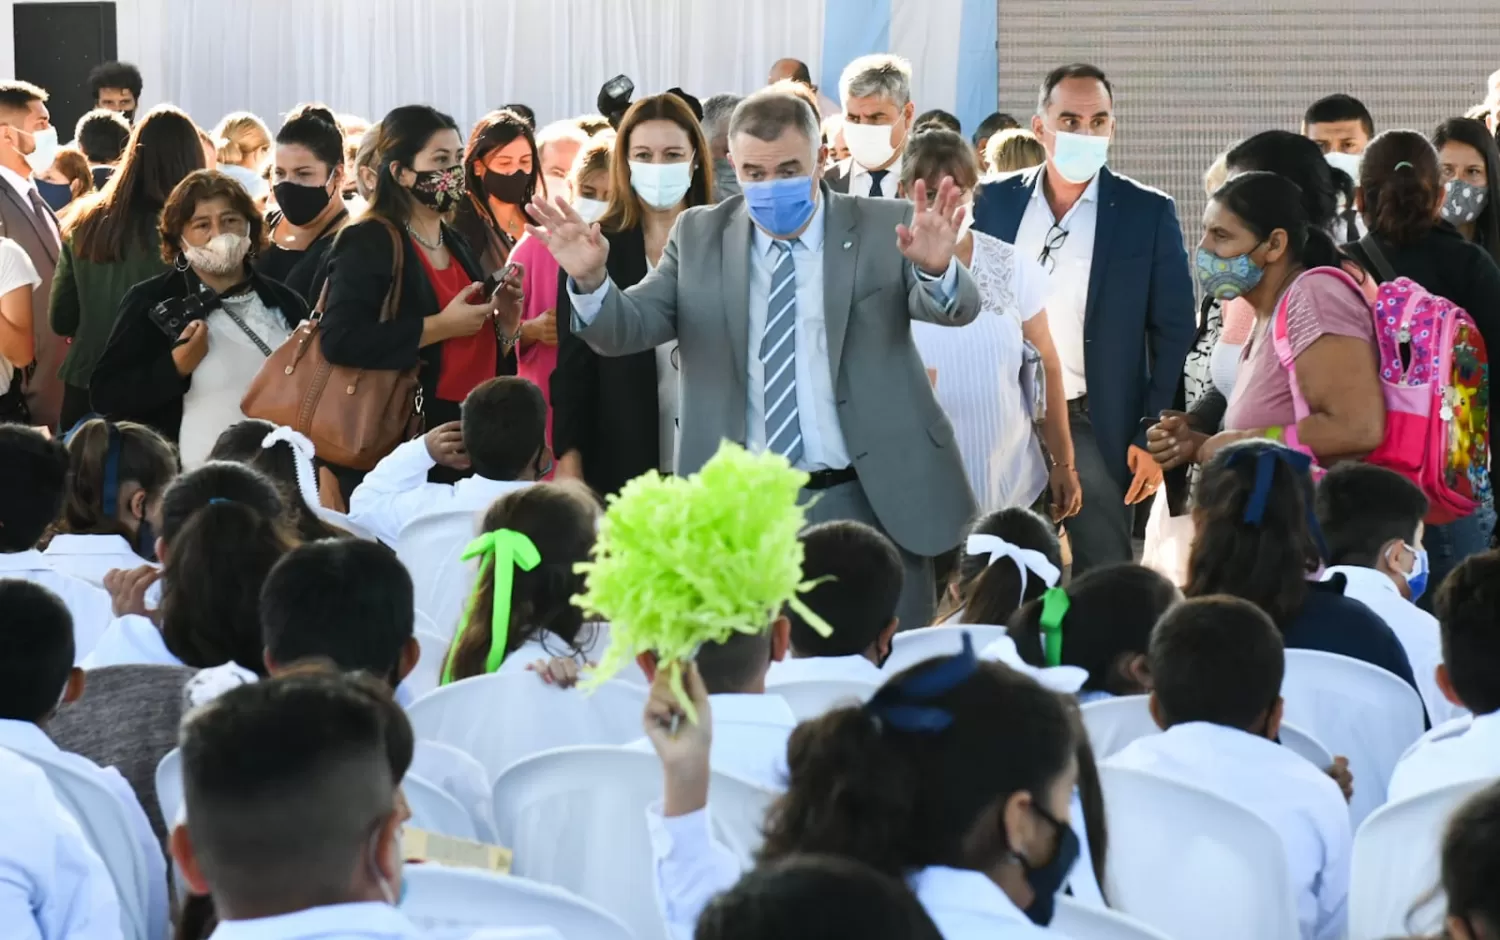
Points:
x=354, y=417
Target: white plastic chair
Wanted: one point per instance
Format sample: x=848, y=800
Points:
x=109, y=833
x=1396, y=863
x=1114, y=723
x=1078, y=921
x=1300, y=742
x=913, y=646
x=169, y=786
x=1192, y=864
x=434, y=810
x=428, y=672
x=440, y=900
x=501, y=718
x=429, y=546
x=813, y=698
x=576, y=818
x=1358, y=711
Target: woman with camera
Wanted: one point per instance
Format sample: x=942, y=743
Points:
x=210, y=316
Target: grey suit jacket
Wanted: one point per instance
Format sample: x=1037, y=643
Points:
x=899, y=439
x=44, y=389
x=837, y=176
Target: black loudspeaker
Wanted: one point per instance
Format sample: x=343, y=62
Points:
x=57, y=44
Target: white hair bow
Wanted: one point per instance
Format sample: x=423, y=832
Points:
x=1026, y=559
x=303, y=452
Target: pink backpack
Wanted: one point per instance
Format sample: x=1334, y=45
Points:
x=1434, y=374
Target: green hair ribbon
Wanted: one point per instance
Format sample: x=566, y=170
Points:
x=1055, y=604
x=502, y=551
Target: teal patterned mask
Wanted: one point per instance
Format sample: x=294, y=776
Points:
x=1227, y=278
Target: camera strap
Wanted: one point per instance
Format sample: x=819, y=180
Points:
x=254, y=336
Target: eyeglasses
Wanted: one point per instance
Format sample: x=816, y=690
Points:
x=1056, y=235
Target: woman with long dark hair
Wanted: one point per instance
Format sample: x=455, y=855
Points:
x=504, y=171
x=110, y=244
x=1470, y=163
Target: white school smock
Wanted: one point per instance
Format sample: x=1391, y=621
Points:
x=91, y=557
x=90, y=606
x=1460, y=751
x=824, y=669
x=750, y=737
x=396, y=492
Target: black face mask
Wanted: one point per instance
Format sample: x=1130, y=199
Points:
x=300, y=204
x=1046, y=880
x=507, y=187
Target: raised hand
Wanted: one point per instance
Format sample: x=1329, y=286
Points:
x=576, y=245
x=929, y=240
x=682, y=746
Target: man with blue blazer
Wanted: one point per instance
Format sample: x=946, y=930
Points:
x=1120, y=304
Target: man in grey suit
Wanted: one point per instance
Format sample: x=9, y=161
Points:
x=28, y=144
x=878, y=116
x=792, y=308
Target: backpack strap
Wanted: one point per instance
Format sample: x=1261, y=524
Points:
x=1378, y=260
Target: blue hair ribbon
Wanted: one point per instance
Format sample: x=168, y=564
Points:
x=1266, y=457
x=112, y=471
x=898, y=703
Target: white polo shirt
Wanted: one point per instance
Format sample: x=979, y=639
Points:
x=1069, y=266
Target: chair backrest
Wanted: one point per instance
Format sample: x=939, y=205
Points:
x=429, y=546
x=1397, y=862
x=813, y=698
x=1078, y=921
x=428, y=672
x=575, y=818
x=1358, y=711
x=1113, y=723
x=912, y=646
x=438, y=898
x=434, y=810
x=502, y=718
x=1192, y=864
x=169, y=787
x=109, y=832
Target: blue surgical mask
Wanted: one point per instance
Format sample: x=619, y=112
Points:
x=1226, y=278
x=782, y=206
x=1079, y=157
x=1416, y=578
x=661, y=185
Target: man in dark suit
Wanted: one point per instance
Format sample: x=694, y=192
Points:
x=28, y=144
x=878, y=112
x=1120, y=305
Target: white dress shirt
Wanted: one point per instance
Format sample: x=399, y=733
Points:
x=1461, y=751
x=1069, y=266
x=750, y=735
x=397, y=492
x=967, y=905
x=91, y=608
x=823, y=446
x=24, y=187
x=1301, y=802
x=30, y=741
x=53, y=886
x=91, y=557
x=461, y=777
x=977, y=372
x=1417, y=630
x=860, y=179
x=130, y=640
x=822, y=669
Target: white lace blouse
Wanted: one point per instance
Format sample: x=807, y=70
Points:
x=212, y=402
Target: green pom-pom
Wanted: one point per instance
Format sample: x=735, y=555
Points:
x=680, y=562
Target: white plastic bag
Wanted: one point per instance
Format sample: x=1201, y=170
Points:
x=1169, y=539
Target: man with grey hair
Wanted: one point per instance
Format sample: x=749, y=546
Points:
x=716, y=113
x=792, y=308
x=878, y=112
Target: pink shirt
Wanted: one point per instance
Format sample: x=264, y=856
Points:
x=539, y=282
x=1318, y=304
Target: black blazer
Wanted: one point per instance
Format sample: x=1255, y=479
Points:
x=605, y=407
x=360, y=265
x=136, y=379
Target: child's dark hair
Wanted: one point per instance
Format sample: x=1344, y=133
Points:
x=1471, y=863
x=104, y=455
x=991, y=593
x=222, y=527
x=863, y=575
x=1266, y=563
x=36, y=650
x=1468, y=613
x=1216, y=659
x=101, y=135
x=1111, y=612
x=861, y=787
x=1402, y=185
x=241, y=443
x=1265, y=202
x=816, y=897
x=560, y=519
x=504, y=427
x=33, y=479
x=1362, y=507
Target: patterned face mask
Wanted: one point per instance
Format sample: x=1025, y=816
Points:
x=440, y=190
x=1226, y=278
x=1463, y=201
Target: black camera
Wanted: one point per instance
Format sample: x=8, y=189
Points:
x=614, y=98
x=172, y=315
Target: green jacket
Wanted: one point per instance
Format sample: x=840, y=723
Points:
x=86, y=298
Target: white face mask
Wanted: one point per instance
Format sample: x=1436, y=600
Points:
x=869, y=144
x=45, y=150
x=661, y=185
x=223, y=255
x=591, y=209
x=1348, y=162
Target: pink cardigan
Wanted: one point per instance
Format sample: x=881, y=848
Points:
x=539, y=282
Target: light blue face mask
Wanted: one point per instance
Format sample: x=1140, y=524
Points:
x=781, y=207
x=1079, y=157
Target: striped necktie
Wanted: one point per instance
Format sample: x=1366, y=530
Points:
x=778, y=357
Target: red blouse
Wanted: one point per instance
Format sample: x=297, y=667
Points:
x=467, y=360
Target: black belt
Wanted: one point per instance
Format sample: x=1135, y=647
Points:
x=827, y=479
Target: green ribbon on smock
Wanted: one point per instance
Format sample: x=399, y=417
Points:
x=503, y=551
x=1055, y=604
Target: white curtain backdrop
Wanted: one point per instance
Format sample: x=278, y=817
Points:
x=467, y=57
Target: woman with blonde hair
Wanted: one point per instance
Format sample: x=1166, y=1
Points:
x=1012, y=150
x=243, y=145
